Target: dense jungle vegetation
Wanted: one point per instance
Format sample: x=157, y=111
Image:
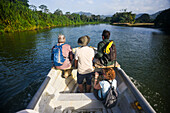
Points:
x=163, y=21
x=123, y=17
x=18, y=15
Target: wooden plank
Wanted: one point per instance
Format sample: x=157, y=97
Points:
x=78, y=101
x=79, y=104
x=76, y=96
x=110, y=66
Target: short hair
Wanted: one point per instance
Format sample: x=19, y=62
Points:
x=106, y=34
x=110, y=73
x=61, y=39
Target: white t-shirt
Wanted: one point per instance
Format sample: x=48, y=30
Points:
x=84, y=55
x=105, y=85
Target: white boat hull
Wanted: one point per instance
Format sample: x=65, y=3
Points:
x=58, y=95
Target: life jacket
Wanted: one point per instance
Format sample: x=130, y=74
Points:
x=57, y=55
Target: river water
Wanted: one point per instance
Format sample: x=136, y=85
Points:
x=143, y=53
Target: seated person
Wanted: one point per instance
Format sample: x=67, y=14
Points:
x=104, y=85
x=62, y=55
x=99, y=56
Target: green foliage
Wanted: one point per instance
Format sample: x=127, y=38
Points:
x=163, y=20
x=33, y=7
x=107, y=19
x=145, y=18
x=44, y=8
x=16, y=16
x=58, y=12
x=123, y=17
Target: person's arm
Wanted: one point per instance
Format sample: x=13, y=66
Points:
x=99, y=53
x=76, y=59
x=93, y=54
x=71, y=55
x=96, y=85
x=52, y=54
x=75, y=63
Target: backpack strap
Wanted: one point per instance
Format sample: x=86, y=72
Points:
x=101, y=94
x=60, y=47
x=110, y=87
x=107, y=42
x=109, y=82
x=113, y=87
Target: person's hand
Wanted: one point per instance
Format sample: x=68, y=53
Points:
x=96, y=75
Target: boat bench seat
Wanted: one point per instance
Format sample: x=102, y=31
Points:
x=78, y=99
x=110, y=66
x=81, y=102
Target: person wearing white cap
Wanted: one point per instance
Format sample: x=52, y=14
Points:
x=62, y=52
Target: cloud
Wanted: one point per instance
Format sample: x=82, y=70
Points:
x=84, y=2
x=89, y=1
x=106, y=7
x=138, y=6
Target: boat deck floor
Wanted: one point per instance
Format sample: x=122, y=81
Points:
x=60, y=96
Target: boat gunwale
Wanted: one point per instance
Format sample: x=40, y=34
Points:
x=140, y=98
x=38, y=94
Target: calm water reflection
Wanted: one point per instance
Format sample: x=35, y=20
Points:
x=25, y=61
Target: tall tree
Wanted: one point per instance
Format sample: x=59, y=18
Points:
x=33, y=7
x=44, y=8
x=163, y=21
x=123, y=17
x=58, y=12
x=68, y=13
x=24, y=2
x=145, y=18
x=107, y=19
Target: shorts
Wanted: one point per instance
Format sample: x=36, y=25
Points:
x=81, y=77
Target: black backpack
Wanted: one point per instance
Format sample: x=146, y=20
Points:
x=109, y=53
x=111, y=98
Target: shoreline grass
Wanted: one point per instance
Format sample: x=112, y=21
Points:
x=135, y=24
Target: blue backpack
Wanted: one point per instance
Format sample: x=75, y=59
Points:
x=57, y=55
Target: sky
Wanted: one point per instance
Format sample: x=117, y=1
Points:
x=103, y=7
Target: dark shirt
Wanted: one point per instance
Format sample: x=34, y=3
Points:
x=99, y=53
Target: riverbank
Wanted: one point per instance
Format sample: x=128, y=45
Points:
x=150, y=25
x=18, y=17
x=10, y=30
